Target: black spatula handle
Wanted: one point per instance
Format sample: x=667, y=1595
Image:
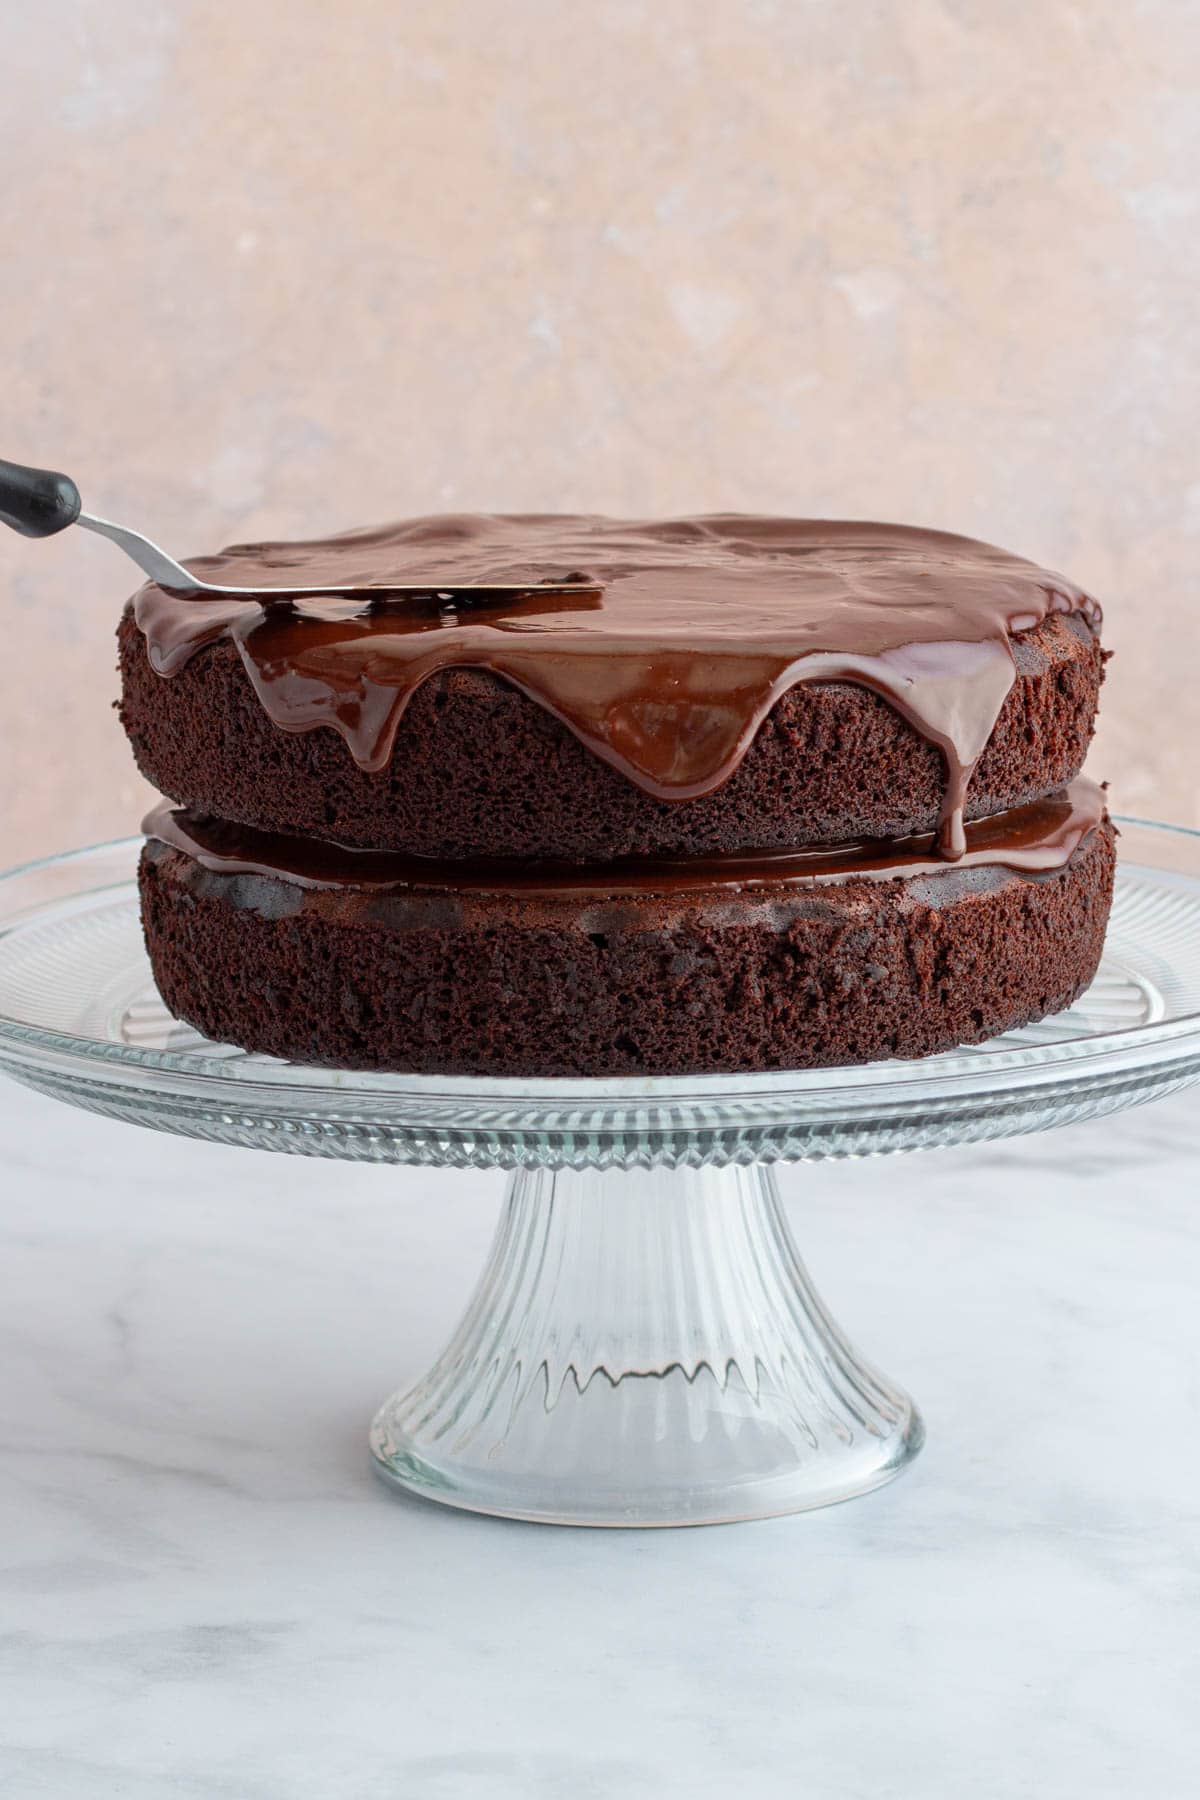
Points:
x=37, y=502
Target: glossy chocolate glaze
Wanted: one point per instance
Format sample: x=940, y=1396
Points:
x=695, y=628
x=1032, y=839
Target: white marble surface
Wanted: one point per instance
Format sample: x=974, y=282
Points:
x=203, y=1592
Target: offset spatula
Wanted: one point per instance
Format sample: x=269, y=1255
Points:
x=40, y=502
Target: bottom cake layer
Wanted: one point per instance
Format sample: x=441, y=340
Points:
x=330, y=957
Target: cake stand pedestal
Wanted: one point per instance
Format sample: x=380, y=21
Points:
x=643, y=1347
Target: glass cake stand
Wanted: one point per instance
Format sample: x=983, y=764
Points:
x=643, y=1347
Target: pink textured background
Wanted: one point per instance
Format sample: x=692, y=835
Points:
x=282, y=268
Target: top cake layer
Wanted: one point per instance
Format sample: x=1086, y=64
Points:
x=695, y=633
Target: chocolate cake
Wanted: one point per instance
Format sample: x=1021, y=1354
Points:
x=759, y=793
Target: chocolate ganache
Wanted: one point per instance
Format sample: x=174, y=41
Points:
x=668, y=666
x=1033, y=839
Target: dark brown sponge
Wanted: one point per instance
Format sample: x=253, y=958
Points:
x=480, y=770
x=476, y=983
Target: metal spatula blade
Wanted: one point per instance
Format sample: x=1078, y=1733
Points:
x=40, y=503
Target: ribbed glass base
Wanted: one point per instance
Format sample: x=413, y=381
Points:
x=645, y=1348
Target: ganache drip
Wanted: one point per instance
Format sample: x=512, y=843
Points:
x=666, y=670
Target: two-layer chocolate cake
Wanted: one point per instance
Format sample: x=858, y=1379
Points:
x=760, y=793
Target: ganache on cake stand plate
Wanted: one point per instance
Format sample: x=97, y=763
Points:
x=644, y=1346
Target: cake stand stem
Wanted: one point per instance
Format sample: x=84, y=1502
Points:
x=644, y=1347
